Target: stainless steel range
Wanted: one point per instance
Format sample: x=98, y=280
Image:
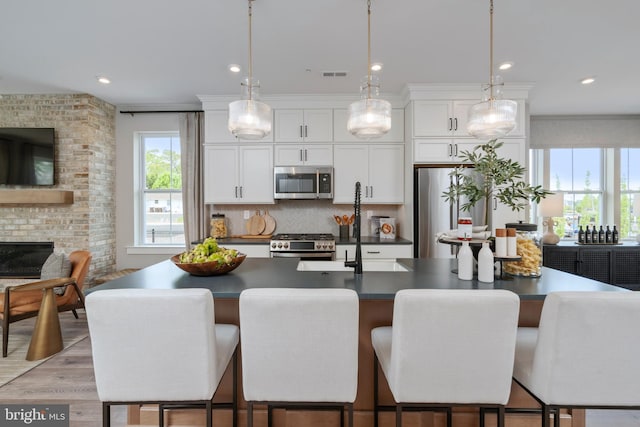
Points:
x=303, y=246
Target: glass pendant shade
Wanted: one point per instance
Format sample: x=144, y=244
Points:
x=493, y=118
x=248, y=117
x=369, y=117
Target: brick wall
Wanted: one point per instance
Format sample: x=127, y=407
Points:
x=85, y=163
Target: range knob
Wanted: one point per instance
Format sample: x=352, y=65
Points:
x=286, y=245
x=279, y=245
x=273, y=245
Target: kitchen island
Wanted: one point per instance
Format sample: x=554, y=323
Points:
x=376, y=291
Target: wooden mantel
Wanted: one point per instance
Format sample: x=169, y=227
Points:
x=36, y=197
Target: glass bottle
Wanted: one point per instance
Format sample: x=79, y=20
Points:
x=608, y=239
x=580, y=235
x=601, y=235
x=614, y=235
x=594, y=235
x=587, y=235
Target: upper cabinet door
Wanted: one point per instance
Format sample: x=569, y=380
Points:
x=386, y=174
x=221, y=174
x=216, y=128
x=432, y=118
x=341, y=134
x=350, y=164
x=313, y=125
x=256, y=173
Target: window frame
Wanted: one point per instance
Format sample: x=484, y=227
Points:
x=141, y=191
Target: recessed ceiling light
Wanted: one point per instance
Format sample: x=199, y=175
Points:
x=588, y=80
x=505, y=66
x=376, y=66
x=234, y=68
x=104, y=80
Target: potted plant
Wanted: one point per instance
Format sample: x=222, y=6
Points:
x=501, y=178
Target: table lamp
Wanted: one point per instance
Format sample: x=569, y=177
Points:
x=550, y=207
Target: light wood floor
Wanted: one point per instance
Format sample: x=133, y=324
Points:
x=67, y=378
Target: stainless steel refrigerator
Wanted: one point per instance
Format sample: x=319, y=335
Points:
x=433, y=214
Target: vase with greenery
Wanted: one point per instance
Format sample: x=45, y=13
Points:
x=501, y=178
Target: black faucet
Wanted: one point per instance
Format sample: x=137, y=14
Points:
x=357, y=263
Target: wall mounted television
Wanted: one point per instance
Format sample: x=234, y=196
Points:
x=27, y=156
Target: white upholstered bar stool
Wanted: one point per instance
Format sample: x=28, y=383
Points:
x=447, y=348
x=584, y=354
x=299, y=349
x=160, y=347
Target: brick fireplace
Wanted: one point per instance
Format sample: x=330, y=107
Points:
x=85, y=164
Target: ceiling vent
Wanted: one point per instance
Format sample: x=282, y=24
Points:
x=334, y=74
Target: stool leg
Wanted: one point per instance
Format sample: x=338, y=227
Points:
x=106, y=414
x=350, y=412
x=249, y=414
x=375, y=389
x=161, y=415
x=209, y=406
x=501, y=416
x=398, y=415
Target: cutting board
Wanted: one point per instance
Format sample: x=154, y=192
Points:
x=270, y=223
x=255, y=224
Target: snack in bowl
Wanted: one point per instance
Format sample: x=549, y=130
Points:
x=208, y=259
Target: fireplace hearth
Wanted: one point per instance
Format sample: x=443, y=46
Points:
x=23, y=259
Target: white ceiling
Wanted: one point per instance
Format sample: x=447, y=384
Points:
x=168, y=51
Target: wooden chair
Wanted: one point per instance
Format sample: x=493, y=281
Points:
x=23, y=301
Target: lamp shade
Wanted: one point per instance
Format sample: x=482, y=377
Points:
x=552, y=205
x=369, y=118
x=248, y=117
x=493, y=118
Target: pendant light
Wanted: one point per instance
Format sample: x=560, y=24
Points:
x=494, y=117
x=369, y=117
x=248, y=117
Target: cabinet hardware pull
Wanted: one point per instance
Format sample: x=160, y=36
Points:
x=450, y=123
x=305, y=155
x=236, y=191
x=456, y=122
x=305, y=131
x=495, y=203
x=371, y=191
x=300, y=131
x=241, y=191
x=373, y=252
x=450, y=149
x=456, y=145
x=301, y=159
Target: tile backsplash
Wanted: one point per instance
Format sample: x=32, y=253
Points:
x=300, y=216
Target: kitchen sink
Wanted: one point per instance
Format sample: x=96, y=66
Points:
x=367, y=265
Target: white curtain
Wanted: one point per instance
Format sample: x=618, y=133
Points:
x=584, y=131
x=196, y=216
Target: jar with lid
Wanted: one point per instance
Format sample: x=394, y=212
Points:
x=218, y=226
x=465, y=228
x=529, y=248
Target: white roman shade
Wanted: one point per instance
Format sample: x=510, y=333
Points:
x=585, y=131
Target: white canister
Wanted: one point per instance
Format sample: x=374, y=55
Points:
x=465, y=228
x=501, y=242
x=512, y=244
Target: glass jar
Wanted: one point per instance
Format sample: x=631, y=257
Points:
x=465, y=228
x=529, y=248
x=218, y=226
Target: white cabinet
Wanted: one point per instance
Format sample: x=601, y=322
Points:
x=381, y=251
x=252, y=251
x=341, y=134
x=441, y=118
x=216, y=128
x=238, y=174
x=502, y=214
x=312, y=125
x=379, y=168
x=436, y=150
x=306, y=154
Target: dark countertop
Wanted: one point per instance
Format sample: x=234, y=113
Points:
x=365, y=240
x=281, y=273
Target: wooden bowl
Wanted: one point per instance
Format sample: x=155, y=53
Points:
x=208, y=268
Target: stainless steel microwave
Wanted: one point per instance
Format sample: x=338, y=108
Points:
x=303, y=182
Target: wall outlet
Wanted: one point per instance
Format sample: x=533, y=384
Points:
x=369, y=214
x=247, y=215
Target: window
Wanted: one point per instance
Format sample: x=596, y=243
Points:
x=160, y=205
x=578, y=173
x=629, y=193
